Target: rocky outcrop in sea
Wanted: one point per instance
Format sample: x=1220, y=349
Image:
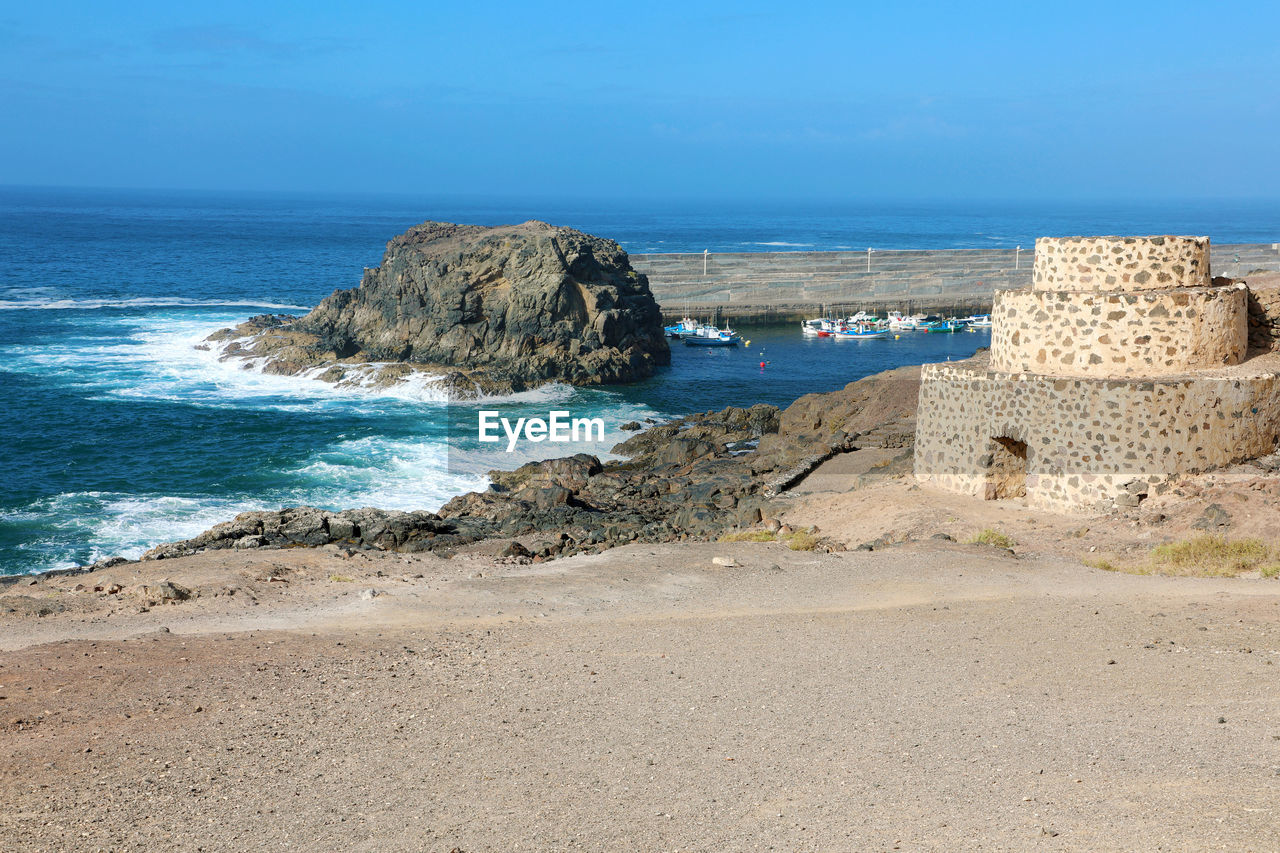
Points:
x=472, y=310
x=692, y=478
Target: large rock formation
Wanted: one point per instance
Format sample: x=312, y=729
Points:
x=489, y=310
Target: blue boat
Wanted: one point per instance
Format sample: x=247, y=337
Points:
x=684, y=327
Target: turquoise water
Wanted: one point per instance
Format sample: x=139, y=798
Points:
x=117, y=433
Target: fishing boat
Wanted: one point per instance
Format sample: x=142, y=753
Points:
x=707, y=335
x=899, y=322
x=946, y=327
x=979, y=321
x=686, y=326
x=861, y=333
x=824, y=327
x=710, y=336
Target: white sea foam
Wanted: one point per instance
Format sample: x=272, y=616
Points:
x=777, y=243
x=124, y=525
x=367, y=380
x=389, y=474
x=154, y=357
x=554, y=392
x=403, y=474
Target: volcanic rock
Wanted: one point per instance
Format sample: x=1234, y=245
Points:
x=478, y=310
x=693, y=477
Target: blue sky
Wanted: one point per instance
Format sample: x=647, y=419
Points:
x=725, y=100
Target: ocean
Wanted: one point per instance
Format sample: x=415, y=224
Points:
x=117, y=433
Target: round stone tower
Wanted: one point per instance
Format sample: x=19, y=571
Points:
x=1119, y=306
x=1119, y=369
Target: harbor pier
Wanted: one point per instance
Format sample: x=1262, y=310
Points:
x=773, y=287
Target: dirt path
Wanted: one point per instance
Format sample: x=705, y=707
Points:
x=933, y=696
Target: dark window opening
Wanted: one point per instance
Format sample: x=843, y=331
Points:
x=1007, y=473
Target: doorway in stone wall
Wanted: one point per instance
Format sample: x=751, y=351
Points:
x=1007, y=473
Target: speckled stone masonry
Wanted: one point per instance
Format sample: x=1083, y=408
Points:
x=1105, y=371
x=1146, y=333
x=1090, y=443
x=1264, y=320
x=1120, y=263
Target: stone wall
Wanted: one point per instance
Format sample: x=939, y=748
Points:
x=1264, y=319
x=777, y=286
x=1145, y=333
x=1120, y=263
x=786, y=286
x=1090, y=443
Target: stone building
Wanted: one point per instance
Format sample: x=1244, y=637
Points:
x=1121, y=368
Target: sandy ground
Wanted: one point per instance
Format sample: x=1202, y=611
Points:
x=925, y=696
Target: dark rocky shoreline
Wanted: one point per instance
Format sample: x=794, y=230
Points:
x=697, y=478
x=491, y=310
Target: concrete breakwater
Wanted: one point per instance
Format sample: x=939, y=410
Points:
x=765, y=287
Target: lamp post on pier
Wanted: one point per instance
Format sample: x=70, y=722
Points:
x=705, y=254
x=869, y=251
x=1017, y=254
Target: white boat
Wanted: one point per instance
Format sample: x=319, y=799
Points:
x=861, y=334
x=899, y=322
x=823, y=327
x=979, y=321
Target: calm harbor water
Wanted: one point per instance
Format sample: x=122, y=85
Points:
x=118, y=434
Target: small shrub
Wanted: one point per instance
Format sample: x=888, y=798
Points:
x=341, y=578
x=993, y=537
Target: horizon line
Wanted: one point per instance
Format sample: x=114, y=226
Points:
x=544, y=197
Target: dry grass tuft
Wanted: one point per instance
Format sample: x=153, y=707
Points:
x=749, y=536
x=1201, y=557
x=993, y=537
x=802, y=540
x=1215, y=557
